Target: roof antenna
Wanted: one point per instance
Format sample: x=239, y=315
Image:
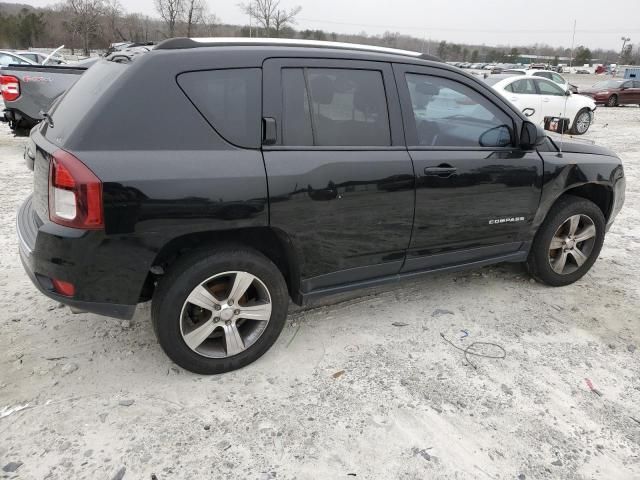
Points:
x=566, y=96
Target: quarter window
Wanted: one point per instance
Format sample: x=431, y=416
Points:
x=334, y=107
x=448, y=113
x=230, y=100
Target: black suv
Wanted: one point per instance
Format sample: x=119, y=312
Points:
x=221, y=178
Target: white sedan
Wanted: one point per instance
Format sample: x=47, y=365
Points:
x=538, y=98
x=551, y=75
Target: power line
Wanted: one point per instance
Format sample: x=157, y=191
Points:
x=473, y=30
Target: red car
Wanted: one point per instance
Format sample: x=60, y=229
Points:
x=615, y=92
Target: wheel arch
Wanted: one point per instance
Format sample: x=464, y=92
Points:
x=271, y=242
x=598, y=193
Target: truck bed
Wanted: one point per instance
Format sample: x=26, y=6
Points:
x=40, y=86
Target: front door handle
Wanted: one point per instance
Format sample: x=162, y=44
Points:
x=444, y=171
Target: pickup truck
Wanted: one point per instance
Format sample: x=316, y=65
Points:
x=222, y=178
x=29, y=90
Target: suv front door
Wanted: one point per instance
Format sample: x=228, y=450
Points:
x=341, y=183
x=476, y=192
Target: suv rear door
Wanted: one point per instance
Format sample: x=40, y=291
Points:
x=341, y=183
x=476, y=192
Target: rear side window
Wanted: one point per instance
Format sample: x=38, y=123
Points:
x=230, y=100
x=334, y=107
x=523, y=87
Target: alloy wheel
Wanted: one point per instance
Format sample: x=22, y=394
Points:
x=225, y=314
x=582, y=122
x=572, y=244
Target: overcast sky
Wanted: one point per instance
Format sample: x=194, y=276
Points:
x=600, y=23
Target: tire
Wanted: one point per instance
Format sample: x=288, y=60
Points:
x=578, y=128
x=613, y=101
x=176, y=320
x=557, y=226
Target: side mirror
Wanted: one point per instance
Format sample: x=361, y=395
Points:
x=568, y=93
x=499, y=136
x=531, y=136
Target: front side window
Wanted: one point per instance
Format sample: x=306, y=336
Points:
x=230, y=100
x=557, y=78
x=549, y=88
x=334, y=107
x=448, y=113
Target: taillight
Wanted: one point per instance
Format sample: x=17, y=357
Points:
x=75, y=193
x=9, y=87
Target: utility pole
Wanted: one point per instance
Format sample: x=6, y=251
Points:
x=573, y=42
x=624, y=44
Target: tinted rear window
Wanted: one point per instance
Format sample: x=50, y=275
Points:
x=230, y=100
x=334, y=107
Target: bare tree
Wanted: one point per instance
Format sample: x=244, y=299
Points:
x=113, y=12
x=209, y=25
x=196, y=13
x=269, y=15
x=85, y=16
x=285, y=18
x=170, y=11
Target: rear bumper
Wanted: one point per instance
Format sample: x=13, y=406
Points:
x=42, y=268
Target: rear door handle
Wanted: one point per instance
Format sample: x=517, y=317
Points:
x=443, y=171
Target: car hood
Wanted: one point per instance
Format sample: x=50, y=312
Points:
x=572, y=145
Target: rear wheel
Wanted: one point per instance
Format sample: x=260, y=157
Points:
x=613, y=101
x=568, y=242
x=582, y=122
x=216, y=312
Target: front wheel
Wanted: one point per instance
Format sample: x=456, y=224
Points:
x=214, y=312
x=568, y=242
x=582, y=122
x=613, y=101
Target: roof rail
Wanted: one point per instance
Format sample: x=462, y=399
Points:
x=184, y=42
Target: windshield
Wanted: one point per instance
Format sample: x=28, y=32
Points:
x=608, y=84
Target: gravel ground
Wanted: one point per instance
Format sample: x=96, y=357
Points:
x=365, y=386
